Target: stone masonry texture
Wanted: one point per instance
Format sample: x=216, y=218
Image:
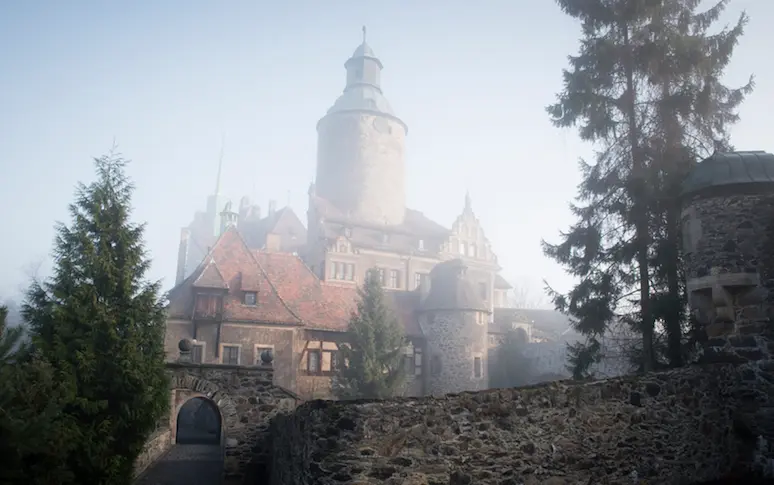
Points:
x=684, y=426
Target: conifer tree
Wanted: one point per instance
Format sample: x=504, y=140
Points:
x=646, y=90
x=370, y=365
x=510, y=366
x=100, y=322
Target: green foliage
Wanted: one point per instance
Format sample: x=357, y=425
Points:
x=100, y=323
x=508, y=364
x=646, y=90
x=371, y=364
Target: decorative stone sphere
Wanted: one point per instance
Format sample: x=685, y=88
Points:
x=185, y=345
x=267, y=356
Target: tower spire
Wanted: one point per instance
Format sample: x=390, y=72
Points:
x=364, y=34
x=468, y=203
x=220, y=164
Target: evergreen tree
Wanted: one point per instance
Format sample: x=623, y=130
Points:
x=646, y=90
x=370, y=365
x=98, y=321
x=35, y=436
x=509, y=365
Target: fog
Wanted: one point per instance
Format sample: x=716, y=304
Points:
x=168, y=84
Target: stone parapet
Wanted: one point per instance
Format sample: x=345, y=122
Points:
x=683, y=426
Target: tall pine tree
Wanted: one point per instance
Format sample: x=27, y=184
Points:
x=646, y=90
x=100, y=322
x=371, y=364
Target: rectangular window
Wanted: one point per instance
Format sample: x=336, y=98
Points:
x=208, y=305
x=230, y=355
x=197, y=353
x=421, y=244
x=394, y=278
x=349, y=272
x=259, y=350
x=417, y=361
x=251, y=298
x=463, y=248
x=380, y=272
x=343, y=271
x=482, y=290
x=419, y=279
x=313, y=361
x=477, y=367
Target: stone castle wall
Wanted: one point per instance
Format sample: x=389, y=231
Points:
x=684, y=426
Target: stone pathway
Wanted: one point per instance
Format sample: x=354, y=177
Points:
x=186, y=465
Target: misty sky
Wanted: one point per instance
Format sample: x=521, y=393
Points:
x=166, y=78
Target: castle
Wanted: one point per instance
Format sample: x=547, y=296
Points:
x=247, y=283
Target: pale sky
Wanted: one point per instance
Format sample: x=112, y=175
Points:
x=166, y=78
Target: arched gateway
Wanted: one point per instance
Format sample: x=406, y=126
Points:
x=243, y=399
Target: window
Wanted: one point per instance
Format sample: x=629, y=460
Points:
x=230, y=355
x=421, y=244
x=250, y=298
x=197, y=353
x=394, y=278
x=435, y=365
x=472, y=251
x=208, y=305
x=419, y=279
x=417, y=361
x=482, y=290
x=477, y=371
x=343, y=271
x=313, y=361
x=259, y=350
x=463, y=248
x=380, y=273
x=481, y=318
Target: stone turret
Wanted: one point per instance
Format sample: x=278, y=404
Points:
x=728, y=245
x=454, y=321
x=360, y=147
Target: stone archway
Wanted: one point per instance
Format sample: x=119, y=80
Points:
x=186, y=388
x=199, y=423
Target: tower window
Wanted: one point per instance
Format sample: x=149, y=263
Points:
x=421, y=245
x=477, y=369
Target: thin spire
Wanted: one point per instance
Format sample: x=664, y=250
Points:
x=220, y=163
x=468, y=203
x=364, y=34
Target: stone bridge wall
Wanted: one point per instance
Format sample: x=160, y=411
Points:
x=683, y=426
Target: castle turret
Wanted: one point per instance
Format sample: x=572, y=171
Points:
x=360, y=147
x=728, y=247
x=454, y=320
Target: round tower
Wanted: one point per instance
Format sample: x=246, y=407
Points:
x=454, y=320
x=728, y=248
x=360, y=147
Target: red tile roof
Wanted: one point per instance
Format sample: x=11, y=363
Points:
x=288, y=291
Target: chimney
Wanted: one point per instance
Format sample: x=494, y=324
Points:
x=272, y=207
x=182, y=255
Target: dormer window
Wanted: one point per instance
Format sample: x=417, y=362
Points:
x=250, y=298
x=421, y=244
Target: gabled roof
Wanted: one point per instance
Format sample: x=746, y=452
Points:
x=210, y=277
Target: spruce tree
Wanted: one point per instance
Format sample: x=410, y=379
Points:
x=646, y=90
x=100, y=322
x=370, y=364
x=509, y=365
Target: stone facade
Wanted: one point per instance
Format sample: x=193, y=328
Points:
x=159, y=443
x=246, y=399
x=682, y=426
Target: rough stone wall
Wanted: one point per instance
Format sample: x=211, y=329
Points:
x=683, y=426
x=247, y=400
x=454, y=339
x=158, y=444
x=360, y=165
x=730, y=273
